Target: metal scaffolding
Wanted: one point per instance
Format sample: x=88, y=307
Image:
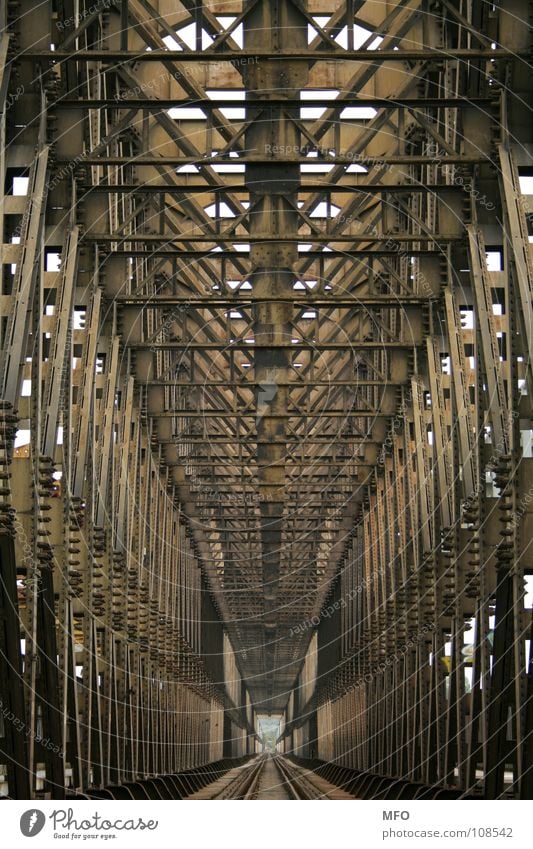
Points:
x=265, y=389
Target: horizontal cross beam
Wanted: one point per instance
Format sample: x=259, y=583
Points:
x=320, y=439
x=292, y=384
x=167, y=238
x=178, y=253
x=232, y=414
x=296, y=347
x=246, y=57
x=153, y=105
x=336, y=301
x=246, y=188
x=252, y=158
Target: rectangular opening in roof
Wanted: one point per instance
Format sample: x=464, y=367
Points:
x=52, y=259
x=358, y=113
x=20, y=186
x=310, y=113
x=237, y=114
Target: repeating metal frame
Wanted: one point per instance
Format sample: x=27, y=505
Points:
x=410, y=542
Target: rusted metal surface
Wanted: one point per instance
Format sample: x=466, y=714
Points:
x=265, y=390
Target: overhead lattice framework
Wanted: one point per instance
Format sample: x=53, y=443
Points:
x=269, y=217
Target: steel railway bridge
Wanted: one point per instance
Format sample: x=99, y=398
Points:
x=266, y=394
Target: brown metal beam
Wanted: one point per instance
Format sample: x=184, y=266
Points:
x=246, y=57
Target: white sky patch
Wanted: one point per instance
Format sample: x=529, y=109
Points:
x=22, y=437
x=227, y=168
x=528, y=583
x=467, y=318
x=20, y=186
x=188, y=36
x=360, y=36
x=494, y=261
x=304, y=284
x=237, y=34
x=358, y=113
x=53, y=261
x=171, y=43
x=321, y=210
x=317, y=168
x=308, y=113
x=224, y=210
x=526, y=185
x=186, y=113
x=311, y=31
x=237, y=114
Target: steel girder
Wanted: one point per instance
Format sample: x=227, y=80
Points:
x=254, y=350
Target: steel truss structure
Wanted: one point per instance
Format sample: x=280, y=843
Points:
x=266, y=321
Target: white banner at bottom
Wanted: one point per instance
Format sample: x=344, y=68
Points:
x=268, y=825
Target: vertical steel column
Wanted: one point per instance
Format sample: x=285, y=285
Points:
x=275, y=25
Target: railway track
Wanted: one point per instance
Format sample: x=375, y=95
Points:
x=297, y=785
x=245, y=785
x=270, y=777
